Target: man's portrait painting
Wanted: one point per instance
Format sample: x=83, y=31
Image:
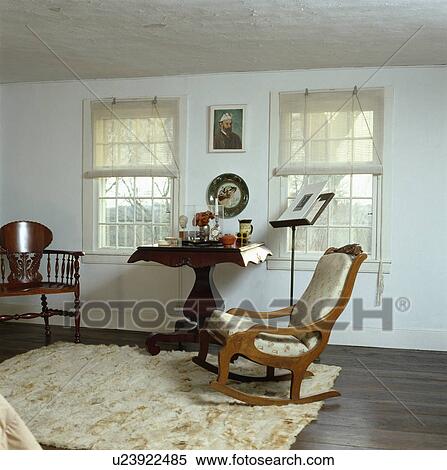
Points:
x=227, y=125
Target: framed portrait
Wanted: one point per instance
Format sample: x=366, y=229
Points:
x=227, y=129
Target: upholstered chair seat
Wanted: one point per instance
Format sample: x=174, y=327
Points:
x=278, y=345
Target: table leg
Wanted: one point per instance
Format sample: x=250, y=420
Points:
x=202, y=300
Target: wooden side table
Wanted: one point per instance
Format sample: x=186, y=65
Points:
x=204, y=296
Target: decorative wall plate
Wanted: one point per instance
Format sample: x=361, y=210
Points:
x=231, y=192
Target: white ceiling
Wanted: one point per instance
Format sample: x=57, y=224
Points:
x=132, y=38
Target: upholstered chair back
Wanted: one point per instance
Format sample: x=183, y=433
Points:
x=324, y=290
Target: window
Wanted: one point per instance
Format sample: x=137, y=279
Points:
x=131, y=169
x=335, y=137
x=133, y=211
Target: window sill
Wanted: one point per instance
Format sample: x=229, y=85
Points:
x=368, y=266
x=97, y=257
x=283, y=264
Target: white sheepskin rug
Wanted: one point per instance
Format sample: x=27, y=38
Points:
x=75, y=396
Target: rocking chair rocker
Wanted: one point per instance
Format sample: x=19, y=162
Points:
x=292, y=348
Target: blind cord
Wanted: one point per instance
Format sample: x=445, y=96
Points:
x=305, y=125
x=173, y=154
x=380, y=281
x=380, y=285
x=367, y=125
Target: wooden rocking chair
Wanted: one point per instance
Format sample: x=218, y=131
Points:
x=22, y=246
x=292, y=348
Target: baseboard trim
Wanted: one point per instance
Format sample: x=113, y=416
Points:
x=426, y=340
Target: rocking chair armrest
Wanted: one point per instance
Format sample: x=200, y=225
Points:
x=64, y=252
x=241, y=312
x=251, y=333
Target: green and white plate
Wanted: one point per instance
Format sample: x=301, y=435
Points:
x=231, y=191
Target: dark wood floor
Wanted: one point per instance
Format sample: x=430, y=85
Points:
x=391, y=398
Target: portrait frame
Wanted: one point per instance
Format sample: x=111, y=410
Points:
x=239, y=113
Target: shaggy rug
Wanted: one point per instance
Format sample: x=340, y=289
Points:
x=110, y=397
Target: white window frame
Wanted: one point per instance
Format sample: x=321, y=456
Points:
x=276, y=238
x=96, y=255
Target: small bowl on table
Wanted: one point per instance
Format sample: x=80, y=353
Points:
x=228, y=240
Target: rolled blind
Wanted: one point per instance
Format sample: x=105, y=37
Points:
x=134, y=138
x=330, y=133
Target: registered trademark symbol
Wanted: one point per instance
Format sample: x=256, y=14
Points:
x=402, y=304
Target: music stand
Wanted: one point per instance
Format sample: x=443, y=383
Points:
x=314, y=214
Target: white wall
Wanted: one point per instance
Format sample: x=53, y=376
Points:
x=1, y=157
x=42, y=167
